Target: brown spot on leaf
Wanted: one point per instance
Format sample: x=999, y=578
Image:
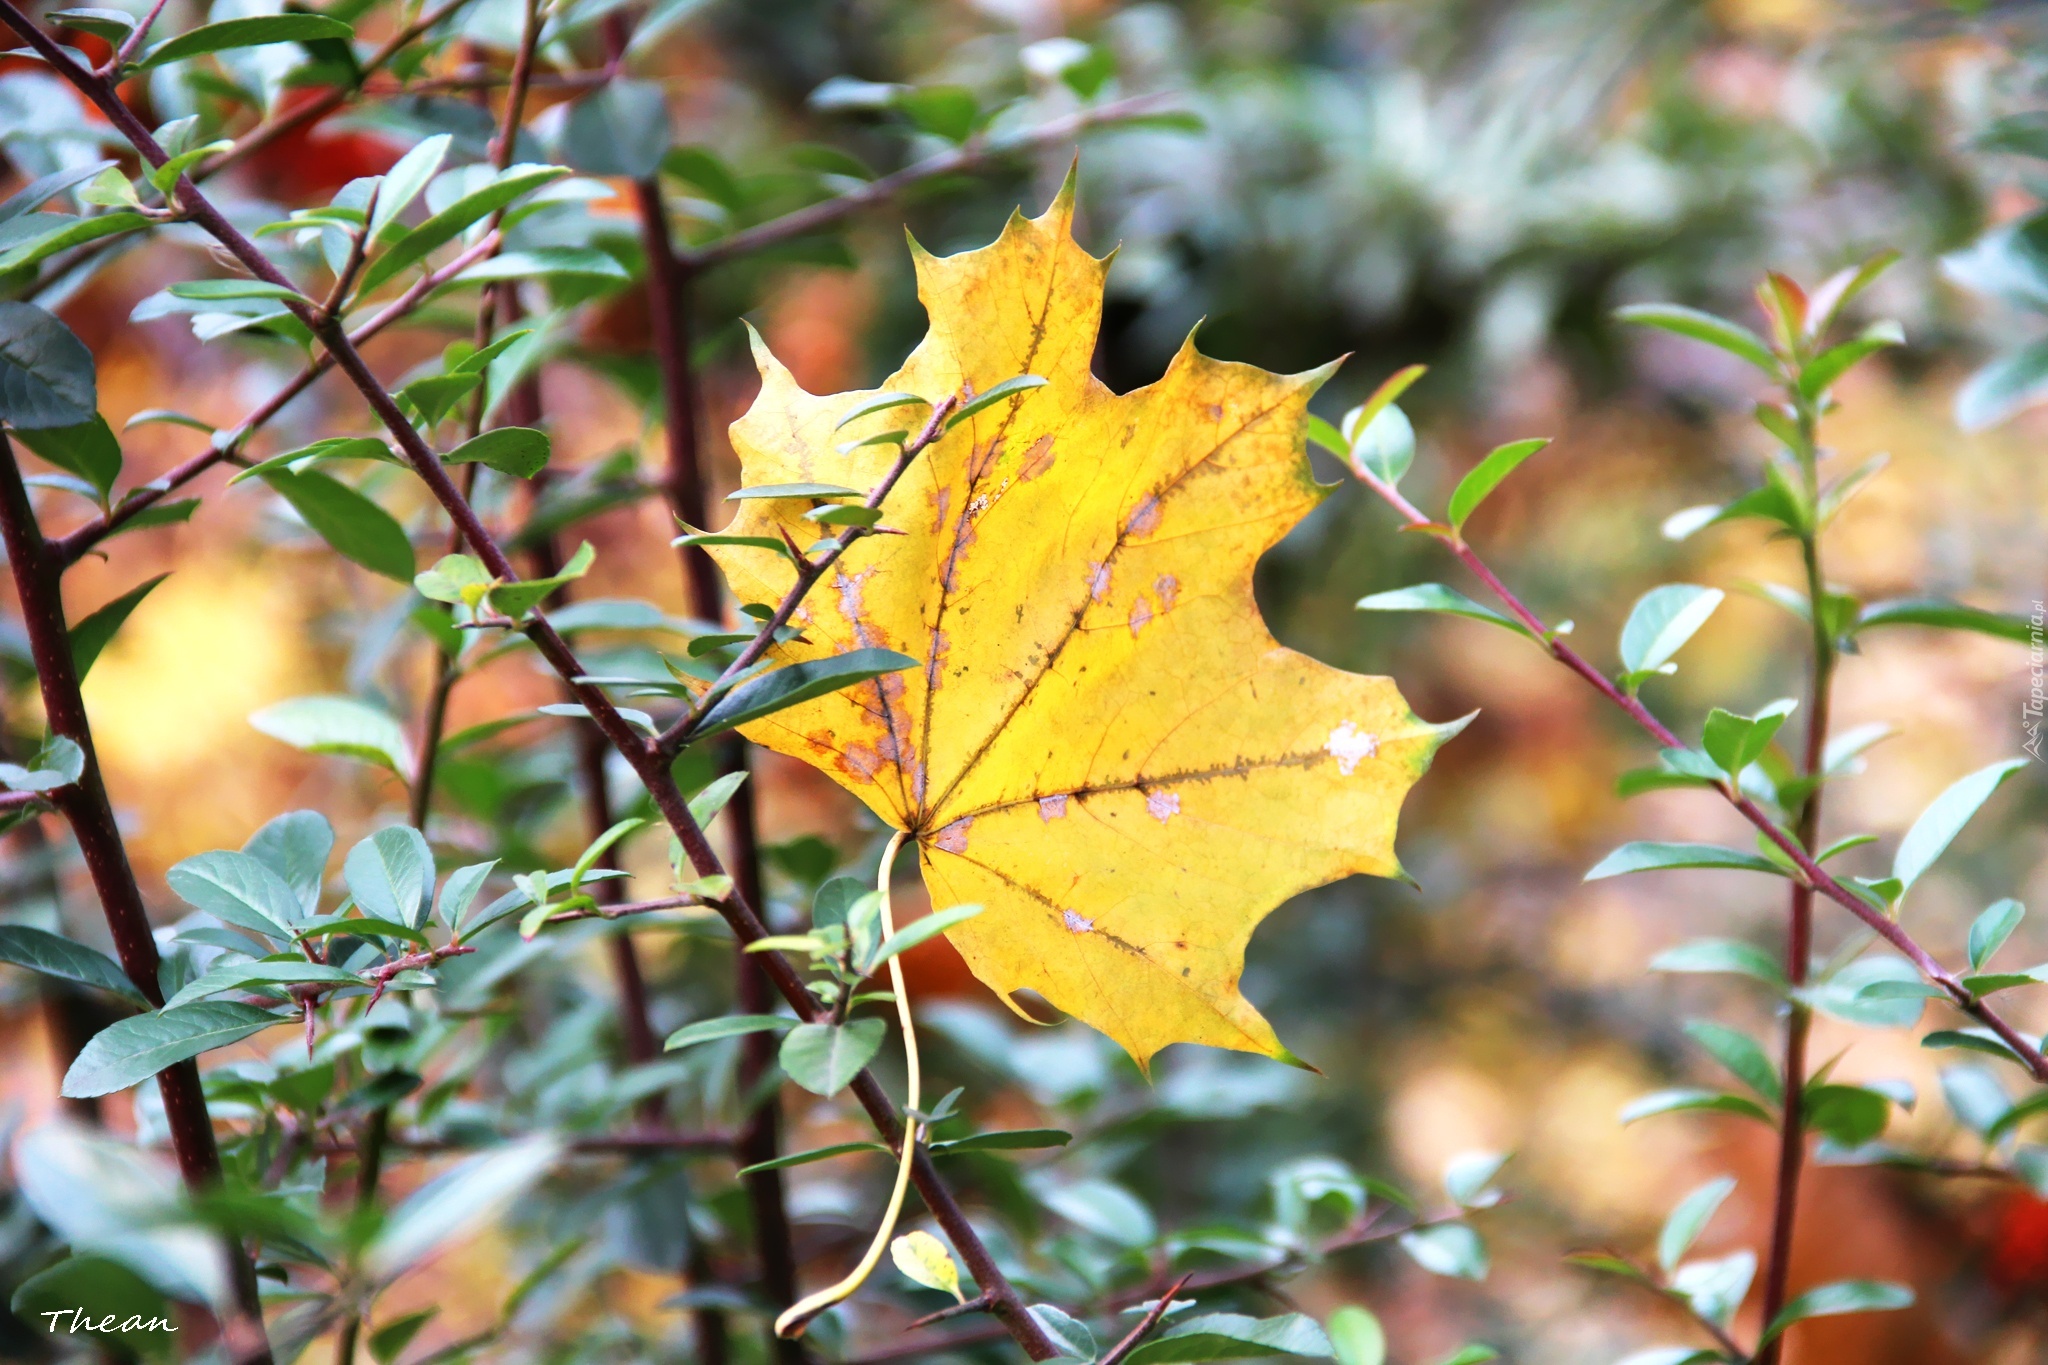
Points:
x=953, y=838
x=1037, y=460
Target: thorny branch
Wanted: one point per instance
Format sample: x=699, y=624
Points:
x=1811, y=872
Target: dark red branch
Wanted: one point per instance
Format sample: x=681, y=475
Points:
x=85, y=806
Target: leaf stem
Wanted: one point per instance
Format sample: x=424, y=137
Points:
x=799, y=1314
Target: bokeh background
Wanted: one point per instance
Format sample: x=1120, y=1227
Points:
x=1474, y=184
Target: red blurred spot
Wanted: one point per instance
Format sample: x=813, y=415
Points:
x=314, y=161
x=2019, y=1248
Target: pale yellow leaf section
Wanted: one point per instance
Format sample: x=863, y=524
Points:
x=1103, y=745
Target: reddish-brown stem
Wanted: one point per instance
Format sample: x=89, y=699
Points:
x=1799, y=945
x=1145, y=1325
x=684, y=482
x=85, y=806
x=1809, y=871
x=69, y=548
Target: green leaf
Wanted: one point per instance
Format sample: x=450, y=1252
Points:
x=824, y=1058
x=547, y=263
x=1658, y=857
x=521, y=452
x=1944, y=615
x=516, y=599
x=1449, y=1249
x=1849, y=1114
x=131, y=1051
x=1721, y=955
x=409, y=175
x=43, y=189
x=1944, y=818
x=751, y=542
x=256, y=31
x=1003, y=1140
x=2010, y=1116
x=1734, y=742
x=435, y=396
x=460, y=891
x=338, y=725
x=1009, y=388
x=1971, y=1040
x=1473, y=1353
x=1716, y=1288
x=1841, y=1297
x=1356, y=1337
x=1487, y=475
x=46, y=374
x=1068, y=1334
x=1385, y=446
x=621, y=128
x=1685, y=1100
x=389, y=1341
x=347, y=520
x=1990, y=930
x=445, y=226
x=1234, y=1336
x=235, y=289
x=1869, y=992
x=1820, y=373
x=87, y=449
x=799, y=682
x=53, y=955
x=706, y=804
x=725, y=1026
x=1662, y=621
x=1689, y=1219
x=1731, y=337
x=237, y=975
x=332, y=448
x=815, y=1154
x=1741, y=1054
x=458, y=1203
x=1439, y=598
x=459, y=580
x=931, y=926
x=239, y=890
x=91, y=635
x=59, y=763
x=881, y=402
x=391, y=875
x=65, y=233
x=844, y=515
x=2011, y=383
x=793, y=490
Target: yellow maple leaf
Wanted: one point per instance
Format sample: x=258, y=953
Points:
x=1103, y=744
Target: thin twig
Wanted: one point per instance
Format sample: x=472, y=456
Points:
x=75, y=544
x=133, y=40
x=1814, y=875
x=808, y=572
x=1145, y=1325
